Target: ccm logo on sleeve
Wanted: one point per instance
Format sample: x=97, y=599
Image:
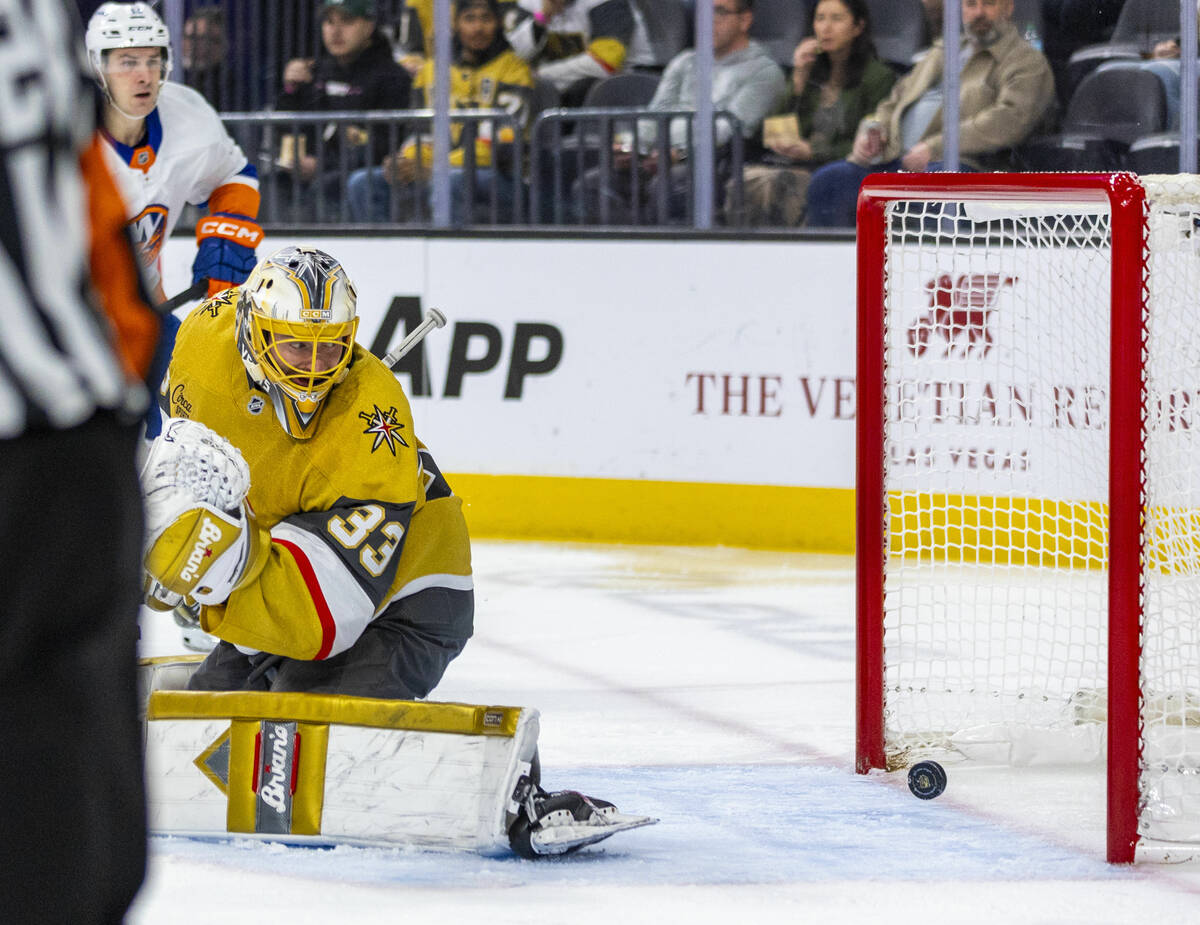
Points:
x=240, y=232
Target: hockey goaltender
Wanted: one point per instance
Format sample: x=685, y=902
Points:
x=293, y=513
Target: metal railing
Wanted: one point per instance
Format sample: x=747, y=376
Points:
x=603, y=152
x=239, y=65
x=349, y=149
x=569, y=163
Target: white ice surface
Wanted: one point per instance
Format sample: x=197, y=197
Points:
x=712, y=688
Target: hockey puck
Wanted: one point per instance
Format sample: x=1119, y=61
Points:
x=926, y=779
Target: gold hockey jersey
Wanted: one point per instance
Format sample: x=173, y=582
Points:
x=359, y=514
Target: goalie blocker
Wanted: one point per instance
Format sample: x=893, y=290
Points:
x=328, y=769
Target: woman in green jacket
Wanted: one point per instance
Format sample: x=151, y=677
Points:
x=837, y=79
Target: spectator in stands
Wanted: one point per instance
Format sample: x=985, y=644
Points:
x=1165, y=64
x=745, y=83
x=203, y=53
x=485, y=74
x=356, y=72
x=573, y=43
x=1072, y=24
x=1006, y=90
x=553, y=33
x=837, y=80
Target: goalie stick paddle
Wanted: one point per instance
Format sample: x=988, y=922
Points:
x=433, y=319
x=193, y=292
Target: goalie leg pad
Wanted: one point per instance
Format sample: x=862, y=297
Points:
x=361, y=771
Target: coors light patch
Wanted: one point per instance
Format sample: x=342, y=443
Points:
x=276, y=765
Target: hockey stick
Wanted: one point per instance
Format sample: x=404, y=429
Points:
x=193, y=292
x=433, y=319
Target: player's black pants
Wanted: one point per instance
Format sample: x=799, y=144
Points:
x=401, y=655
x=73, y=817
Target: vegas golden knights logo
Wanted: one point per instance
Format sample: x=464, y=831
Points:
x=384, y=427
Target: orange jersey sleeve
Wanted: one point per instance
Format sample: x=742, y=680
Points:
x=115, y=276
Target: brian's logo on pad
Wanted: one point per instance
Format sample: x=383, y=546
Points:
x=958, y=323
x=202, y=549
x=277, y=747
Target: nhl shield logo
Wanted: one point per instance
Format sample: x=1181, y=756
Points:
x=256, y=404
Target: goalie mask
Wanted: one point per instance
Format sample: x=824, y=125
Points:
x=125, y=25
x=296, y=323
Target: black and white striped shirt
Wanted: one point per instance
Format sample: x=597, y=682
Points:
x=57, y=365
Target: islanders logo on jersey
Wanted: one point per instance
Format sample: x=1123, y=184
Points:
x=149, y=228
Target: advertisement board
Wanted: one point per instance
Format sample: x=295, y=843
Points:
x=698, y=391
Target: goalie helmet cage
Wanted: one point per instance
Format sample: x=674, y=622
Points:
x=1028, y=482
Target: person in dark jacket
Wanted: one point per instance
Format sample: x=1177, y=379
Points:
x=357, y=72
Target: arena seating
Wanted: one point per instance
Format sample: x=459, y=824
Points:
x=898, y=30
x=1142, y=25
x=779, y=25
x=1110, y=110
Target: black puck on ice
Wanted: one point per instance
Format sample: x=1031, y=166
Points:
x=926, y=779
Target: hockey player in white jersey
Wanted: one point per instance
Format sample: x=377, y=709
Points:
x=167, y=147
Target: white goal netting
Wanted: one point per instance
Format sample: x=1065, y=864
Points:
x=996, y=452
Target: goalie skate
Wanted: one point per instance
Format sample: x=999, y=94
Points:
x=565, y=821
x=187, y=618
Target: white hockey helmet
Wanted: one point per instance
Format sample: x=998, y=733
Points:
x=296, y=321
x=125, y=25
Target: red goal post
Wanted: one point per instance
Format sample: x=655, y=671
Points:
x=1010, y=560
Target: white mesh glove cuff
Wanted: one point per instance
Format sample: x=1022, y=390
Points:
x=189, y=462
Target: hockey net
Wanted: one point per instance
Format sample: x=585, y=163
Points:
x=1029, y=482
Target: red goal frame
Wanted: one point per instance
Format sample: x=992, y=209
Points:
x=1126, y=199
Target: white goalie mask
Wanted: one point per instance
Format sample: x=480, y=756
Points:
x=296, y=322
x=125, y=25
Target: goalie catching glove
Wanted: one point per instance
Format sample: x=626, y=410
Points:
x=202, y=540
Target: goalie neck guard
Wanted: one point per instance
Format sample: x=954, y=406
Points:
x=125, y=25
x=296, y=321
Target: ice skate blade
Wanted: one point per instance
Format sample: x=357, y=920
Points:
x=560, y=839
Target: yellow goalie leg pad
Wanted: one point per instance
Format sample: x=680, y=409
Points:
x=313, y=768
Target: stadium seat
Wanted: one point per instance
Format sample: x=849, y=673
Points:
x=898, y=30
x=1147, y=21
x=668, y=25
x=778, y=26
x=1154, y=154
x=545, y=96
x=1085, y=60
x=631, y=89
x=1110, y=110
x=1120, y=103
x=1141, y=25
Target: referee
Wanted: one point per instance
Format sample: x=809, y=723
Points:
x=76, y=337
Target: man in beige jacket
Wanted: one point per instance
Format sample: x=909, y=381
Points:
x=1006, y=90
